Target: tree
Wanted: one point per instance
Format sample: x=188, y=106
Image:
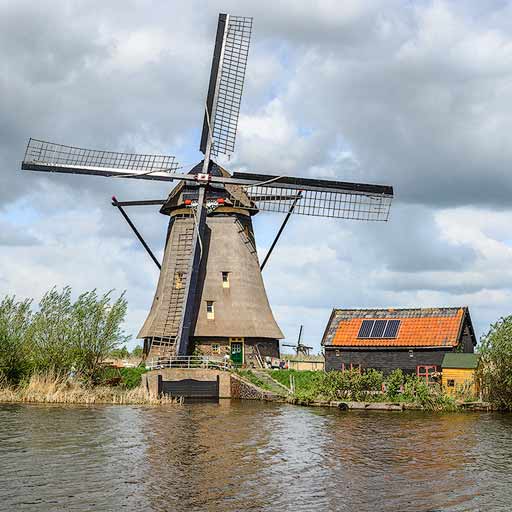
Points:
x=51, y=333
x=60, y=335
x=15, y=318
x=120, y=353
x=96, y=329
x=137, y=352
x=495, y=365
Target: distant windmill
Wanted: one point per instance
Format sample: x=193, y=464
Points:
x=210, y=294
x=300, y=348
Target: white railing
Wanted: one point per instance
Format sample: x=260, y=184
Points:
x=189, y=362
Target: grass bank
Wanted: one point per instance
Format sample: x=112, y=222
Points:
x=48, y=389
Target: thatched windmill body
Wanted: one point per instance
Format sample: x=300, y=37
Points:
x=210, y=294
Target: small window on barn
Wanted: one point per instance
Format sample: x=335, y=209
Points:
x=225, y=279
x=210, y=312
x=215, y=348
x=451, y=383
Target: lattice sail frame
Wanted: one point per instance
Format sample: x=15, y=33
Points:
x=51, y=154
x=232, y=76
x=320, y=203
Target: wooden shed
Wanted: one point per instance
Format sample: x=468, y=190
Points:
x=459, y=373
x=413, y=339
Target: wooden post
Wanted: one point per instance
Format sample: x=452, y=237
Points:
x=159, y=384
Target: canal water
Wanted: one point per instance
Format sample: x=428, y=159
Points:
x=251, y=456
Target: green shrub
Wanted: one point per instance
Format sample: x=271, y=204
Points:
x=96, y=329
x=50, y=341
x=335, y=385
x=15, y=320
x=120, y=353
x=429, y=397
x=495, y=365
x=394, y=383
x=137, y=352
x=364, y=386
x=61, y=335
x=129, y=378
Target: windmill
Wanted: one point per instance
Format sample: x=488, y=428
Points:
x=300, y=348
x=210, y=295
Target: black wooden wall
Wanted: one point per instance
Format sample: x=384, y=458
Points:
x=385, y=360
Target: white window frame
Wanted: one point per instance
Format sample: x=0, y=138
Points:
x=210, y=315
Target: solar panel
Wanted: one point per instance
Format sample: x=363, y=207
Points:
x=391, y=329
x=366, y=329
x=378, y=329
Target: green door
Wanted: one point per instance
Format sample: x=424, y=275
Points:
x=237, y=353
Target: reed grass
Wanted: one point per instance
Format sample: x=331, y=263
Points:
x=51, y=389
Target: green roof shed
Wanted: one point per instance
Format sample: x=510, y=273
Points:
x=460, y=360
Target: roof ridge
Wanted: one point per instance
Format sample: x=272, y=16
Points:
x=400, y=309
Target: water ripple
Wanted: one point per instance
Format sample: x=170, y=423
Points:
x=251, y=456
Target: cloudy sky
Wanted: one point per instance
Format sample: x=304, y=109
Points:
x=417, y=95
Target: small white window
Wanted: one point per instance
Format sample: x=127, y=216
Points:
x=225, y=279
x=215, y=348
x=210, y=311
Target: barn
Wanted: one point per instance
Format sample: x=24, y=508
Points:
x=413, y=339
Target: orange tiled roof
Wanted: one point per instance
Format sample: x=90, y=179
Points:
x=421, y=327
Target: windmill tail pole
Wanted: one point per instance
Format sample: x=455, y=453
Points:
x=134, y=229
x=283, y=225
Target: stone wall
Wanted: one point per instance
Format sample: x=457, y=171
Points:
x=247, y=391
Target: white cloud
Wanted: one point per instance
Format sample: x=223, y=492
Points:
x=416, y=95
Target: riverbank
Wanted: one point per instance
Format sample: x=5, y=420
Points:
x=51, y=390
x=355, y=391
x=47, y=389
x=389, y=406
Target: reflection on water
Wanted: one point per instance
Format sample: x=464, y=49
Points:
x=251, y=456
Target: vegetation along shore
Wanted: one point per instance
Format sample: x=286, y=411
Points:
x=57, y=352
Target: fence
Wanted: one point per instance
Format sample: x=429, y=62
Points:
x=189, y=362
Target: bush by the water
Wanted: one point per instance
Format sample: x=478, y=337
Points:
x=495, y=365
x=364, y=386
x=128, y=378
x=61, y=336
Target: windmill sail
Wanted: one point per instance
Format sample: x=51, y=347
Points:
x=226, y=84
x=318, y=198
x=50, y=157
